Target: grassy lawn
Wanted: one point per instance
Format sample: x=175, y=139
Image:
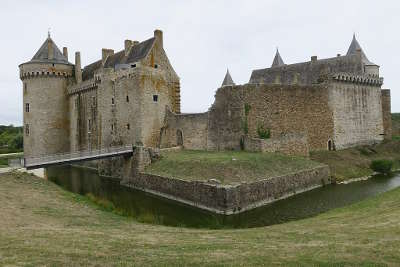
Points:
x=229, y=167
x=355, y=162
x=43, y=225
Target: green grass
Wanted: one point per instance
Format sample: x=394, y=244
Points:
x=355, y=162
x=43, y=225
x=229, y=167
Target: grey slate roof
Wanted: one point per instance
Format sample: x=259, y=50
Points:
x=278, y=61
x=354, y=46
x=136, y=53
x=228, y=79
x=42, y=55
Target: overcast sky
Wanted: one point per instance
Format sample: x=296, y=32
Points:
x=201, y=38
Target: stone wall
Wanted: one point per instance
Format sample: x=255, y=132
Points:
x=289, y=144
x=228, y=199
x=357, y=113
x=187, y=130
x=387, y=114
x=280, y=108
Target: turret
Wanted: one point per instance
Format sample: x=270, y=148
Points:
x=45, y=114
x=278, y=61
x=368, y=67
x=227, y=80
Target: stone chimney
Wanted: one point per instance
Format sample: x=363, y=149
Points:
x=314, y=58
x=158, y=34
x=128, y=46
x=50, y=49
x=338, y=55
x=105, y=53
x=78, y=70
x=65, y=52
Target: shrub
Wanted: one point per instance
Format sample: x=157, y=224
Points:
x=382, y=166
x=263, y=133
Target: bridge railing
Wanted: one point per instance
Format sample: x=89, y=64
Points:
x=77, y=155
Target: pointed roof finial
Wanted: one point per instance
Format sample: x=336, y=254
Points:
x=278, y=61
x=228, y=79
x=48, y=32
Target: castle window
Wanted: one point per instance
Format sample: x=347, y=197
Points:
x=128, y=126
x=127, y=98
x=26, y=129
x=27, y=107
x=112, y=101
x=25, y=88
x=155, y=66
x=133, y=66
x=93, y=101
x=89, y=124
x=155, y=98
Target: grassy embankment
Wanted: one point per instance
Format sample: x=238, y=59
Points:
x=229, y=167
x=355, y=162
x=41, y=224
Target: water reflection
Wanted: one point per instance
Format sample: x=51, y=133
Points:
x=152, y=209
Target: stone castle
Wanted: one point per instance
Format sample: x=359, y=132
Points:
x=133, y=97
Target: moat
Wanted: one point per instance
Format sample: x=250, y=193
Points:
x=152, y=209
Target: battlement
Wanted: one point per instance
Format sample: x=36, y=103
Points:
x=358, y=79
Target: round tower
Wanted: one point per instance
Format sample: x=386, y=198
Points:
x=45, y=105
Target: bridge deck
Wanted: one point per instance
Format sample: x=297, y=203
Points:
x=56, y=159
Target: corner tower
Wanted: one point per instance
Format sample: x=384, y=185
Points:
x=45, y=106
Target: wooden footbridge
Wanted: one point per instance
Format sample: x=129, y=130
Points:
x=58, y=159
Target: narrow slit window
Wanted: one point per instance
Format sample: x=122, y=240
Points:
x=25, y=88
x=128, y=126
x=112, y=101
x=26, y=129
x=127, y=98
x=155, y=98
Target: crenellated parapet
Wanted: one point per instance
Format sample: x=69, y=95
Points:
x=34, y=74
x=83, y=86
x=358, y=79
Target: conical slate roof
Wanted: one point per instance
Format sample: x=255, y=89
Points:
x=354, y=46
x=42, y=55
x=278, y=61
x=228, y=79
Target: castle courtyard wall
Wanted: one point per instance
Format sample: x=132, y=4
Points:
x=193, y=129
x=283, y=109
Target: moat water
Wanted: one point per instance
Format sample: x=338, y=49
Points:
x=148, y=208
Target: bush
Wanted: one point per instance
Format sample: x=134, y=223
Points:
x=382, y=166
x=263, y=133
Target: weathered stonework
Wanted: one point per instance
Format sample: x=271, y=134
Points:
x=387, y=114
x=288, y=144
x=231, y=199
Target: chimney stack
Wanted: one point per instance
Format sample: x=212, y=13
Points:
x=65, y=52
x=78, y=70
x=314, y=58
x=128, y=45
x=105, y=53
x=158, y=34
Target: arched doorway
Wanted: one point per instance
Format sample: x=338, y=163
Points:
x=179, y=138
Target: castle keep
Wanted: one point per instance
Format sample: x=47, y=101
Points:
x=133, y=97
